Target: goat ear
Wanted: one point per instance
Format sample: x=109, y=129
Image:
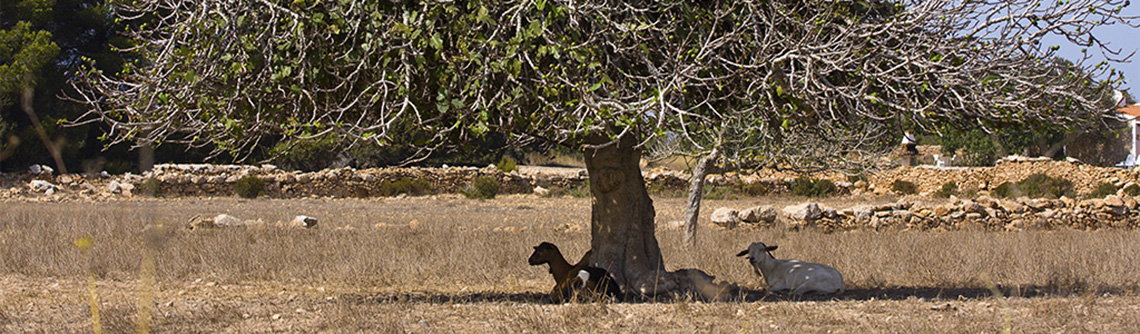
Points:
x=742, y=253
x=772, y=248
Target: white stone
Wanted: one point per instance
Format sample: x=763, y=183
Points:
x=806, y=212
x=863, y=212
x=725, y=217
x=972, y=207
x=41, y=185
x=114, y=187
x=760, y=214
x=1012, y=207
x=40, y=169
x=1113, y=200
x=540, y=191
x=224, y=220
x=303, y=221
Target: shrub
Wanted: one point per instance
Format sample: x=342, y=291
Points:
x=403, y=185
x=856, y=177
x=1036, y=185
x=1132, y=190
x=150, y=187
x=1007, y=190
x=659, y=189
x=948, y=188
x=804, y=186
x=482, y=187
x=904, y=187
x=507, y=164
x=1103, y=189
x=753, y=189
x=1041, y=185
x=718, y=192
x=249, y=186
x=306, y=154
x=581, y=191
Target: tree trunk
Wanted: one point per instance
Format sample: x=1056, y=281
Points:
x=696, y=189
x=52, y=148
x=622, y=220
x=146, y=155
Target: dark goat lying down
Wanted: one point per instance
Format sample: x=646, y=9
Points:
x=572, y=279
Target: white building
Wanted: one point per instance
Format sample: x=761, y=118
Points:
x=1130, y=113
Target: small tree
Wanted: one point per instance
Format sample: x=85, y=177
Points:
x=786, y=83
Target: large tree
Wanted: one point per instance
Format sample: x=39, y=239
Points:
x=802, y=83
x=41, y=43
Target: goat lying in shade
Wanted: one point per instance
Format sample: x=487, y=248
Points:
x=569, y=279
x=792, y=275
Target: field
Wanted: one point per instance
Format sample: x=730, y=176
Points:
x=446, y=264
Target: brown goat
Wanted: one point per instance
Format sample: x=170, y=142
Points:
x=571, y=278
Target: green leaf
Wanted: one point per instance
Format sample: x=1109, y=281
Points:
x=437, y=41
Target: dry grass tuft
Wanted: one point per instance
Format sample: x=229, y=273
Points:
x=463, y=267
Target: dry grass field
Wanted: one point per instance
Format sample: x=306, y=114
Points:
x=446, y=264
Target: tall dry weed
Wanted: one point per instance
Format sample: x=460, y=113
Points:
x=485, y=244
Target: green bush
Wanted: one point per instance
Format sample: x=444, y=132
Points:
x=1132, y=190
x=804, y=186
x=403, y=185
x=1041, y=185
x=581, y=191
x=655, y=189
x=904, y=187
x=856, y=177
x=150, y=187
x=306, y=154
x=753, y=189
x=1103, y=189
x=249, y=186
x=718, y=192
x=948, y=188
x=1007, y=190
x=1036, y=186
x=482, y=187
x=507, y=164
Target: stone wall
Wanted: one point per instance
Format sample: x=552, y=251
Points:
x=207, y=180
x=1085, y=178
x=982, y=213
x=218, y=180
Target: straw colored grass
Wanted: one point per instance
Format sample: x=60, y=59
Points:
x=446, y=264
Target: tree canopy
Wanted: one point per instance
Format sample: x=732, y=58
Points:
x=794, y=83
x=751, y=77
x=41, y=43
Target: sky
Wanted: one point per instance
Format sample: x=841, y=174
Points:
x=1119, y=36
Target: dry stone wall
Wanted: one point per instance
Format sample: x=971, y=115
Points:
x=982, y=213
x=218, y=180
x=206, y=180
x=1085, y=177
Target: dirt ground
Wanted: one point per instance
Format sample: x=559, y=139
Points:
x=446, y=264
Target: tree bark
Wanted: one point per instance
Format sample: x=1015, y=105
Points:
x=696, y=189
x=52, y=148
x=622, y=220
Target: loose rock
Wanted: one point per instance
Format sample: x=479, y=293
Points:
x=303, y=222
x=725, y=217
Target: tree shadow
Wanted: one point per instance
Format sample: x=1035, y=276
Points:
x=743, y=295
x=929, y=293
x=423, y=297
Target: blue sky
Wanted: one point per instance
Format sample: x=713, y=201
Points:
x=1120, y=37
